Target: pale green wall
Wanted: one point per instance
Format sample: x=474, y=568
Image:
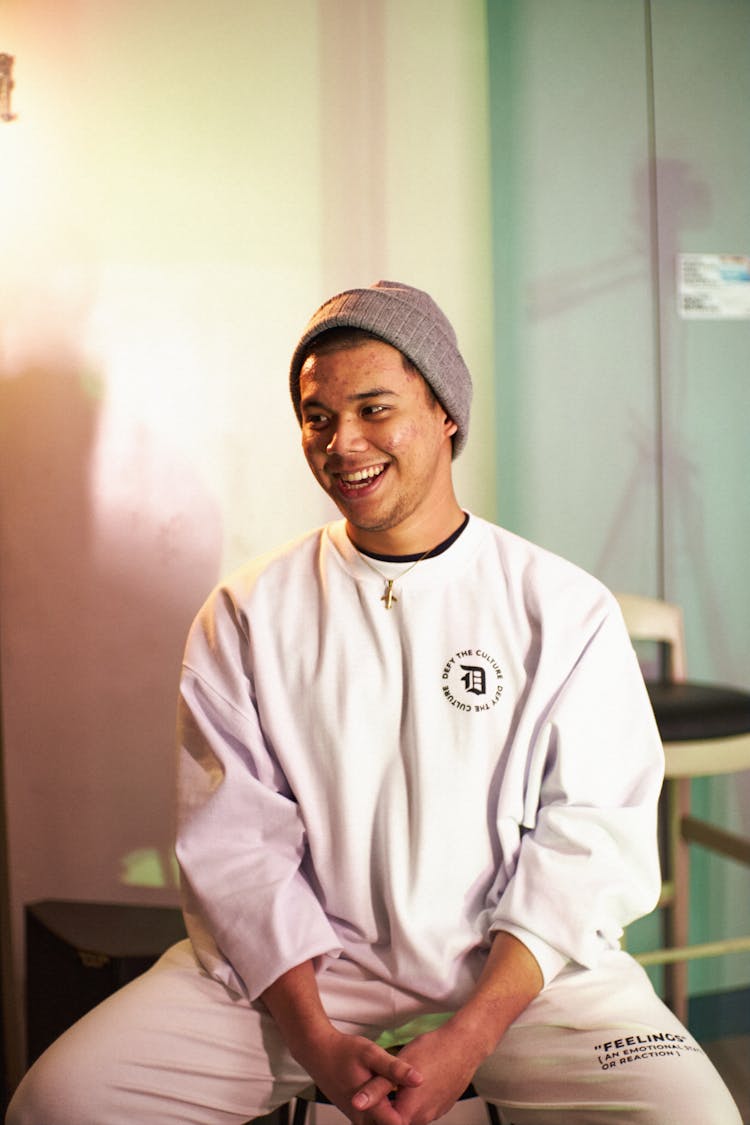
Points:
x=574, y=290
x=588, y=340
x=702, y=95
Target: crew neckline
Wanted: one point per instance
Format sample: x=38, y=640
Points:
x=441, y=547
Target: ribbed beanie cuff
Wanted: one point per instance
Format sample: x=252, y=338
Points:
x=410, y=320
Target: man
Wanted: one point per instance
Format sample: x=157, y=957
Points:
x=417, y=796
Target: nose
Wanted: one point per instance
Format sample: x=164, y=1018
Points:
x=347, y=437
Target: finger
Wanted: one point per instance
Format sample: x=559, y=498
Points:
x=403, y=1073
x=396, y=1069
x=384, y=1113
x=373, y=1091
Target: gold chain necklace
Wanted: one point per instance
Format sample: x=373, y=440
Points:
x=388, y=596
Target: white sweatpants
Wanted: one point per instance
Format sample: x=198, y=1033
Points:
x=176, y=1046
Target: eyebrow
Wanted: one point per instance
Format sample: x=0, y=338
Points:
x=361, y=396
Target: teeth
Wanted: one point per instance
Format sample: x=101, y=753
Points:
x=362, y=474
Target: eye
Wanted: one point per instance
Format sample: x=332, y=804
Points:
x=374, y=408
x=316, y=421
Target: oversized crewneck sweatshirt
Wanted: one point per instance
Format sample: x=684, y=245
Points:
x=394, y=786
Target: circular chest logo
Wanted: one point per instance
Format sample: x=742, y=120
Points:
x=472, y=680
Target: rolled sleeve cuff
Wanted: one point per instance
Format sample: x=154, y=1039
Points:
x=549, y=959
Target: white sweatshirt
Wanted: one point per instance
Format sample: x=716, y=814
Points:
x=393, y=786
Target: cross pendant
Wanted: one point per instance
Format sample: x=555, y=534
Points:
x=388, y=595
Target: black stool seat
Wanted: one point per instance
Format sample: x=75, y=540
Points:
x=686, y=711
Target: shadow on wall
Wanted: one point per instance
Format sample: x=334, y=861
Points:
x=667, y=199
x=95, y=602
x=684, y=203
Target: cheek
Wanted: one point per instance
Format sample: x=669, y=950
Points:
x=401, y=438
x=311, y=452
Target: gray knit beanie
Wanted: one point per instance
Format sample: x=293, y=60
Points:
x=410, y=320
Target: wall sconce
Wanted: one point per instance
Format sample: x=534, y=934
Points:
x=6, y=85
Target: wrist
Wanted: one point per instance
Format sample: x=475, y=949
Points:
x=308, y=1043
x=294, y=1002
x=479, y=1031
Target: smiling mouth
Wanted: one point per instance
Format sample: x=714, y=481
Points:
x=360, y=478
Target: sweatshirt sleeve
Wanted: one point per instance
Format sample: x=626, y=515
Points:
x=588, y=859
x=249, y=908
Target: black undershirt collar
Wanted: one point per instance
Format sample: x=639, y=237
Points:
x=413, y=558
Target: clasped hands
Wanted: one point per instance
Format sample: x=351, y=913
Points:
x=373, y=1087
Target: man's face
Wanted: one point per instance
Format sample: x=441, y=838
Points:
x=375, y=438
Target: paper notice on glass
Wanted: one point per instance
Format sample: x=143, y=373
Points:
x=713, y=286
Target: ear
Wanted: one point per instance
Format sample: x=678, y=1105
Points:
x=450, y=426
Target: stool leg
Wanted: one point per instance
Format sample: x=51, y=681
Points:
x=492, y=1114
x=678, y=913
x=300, y=1111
